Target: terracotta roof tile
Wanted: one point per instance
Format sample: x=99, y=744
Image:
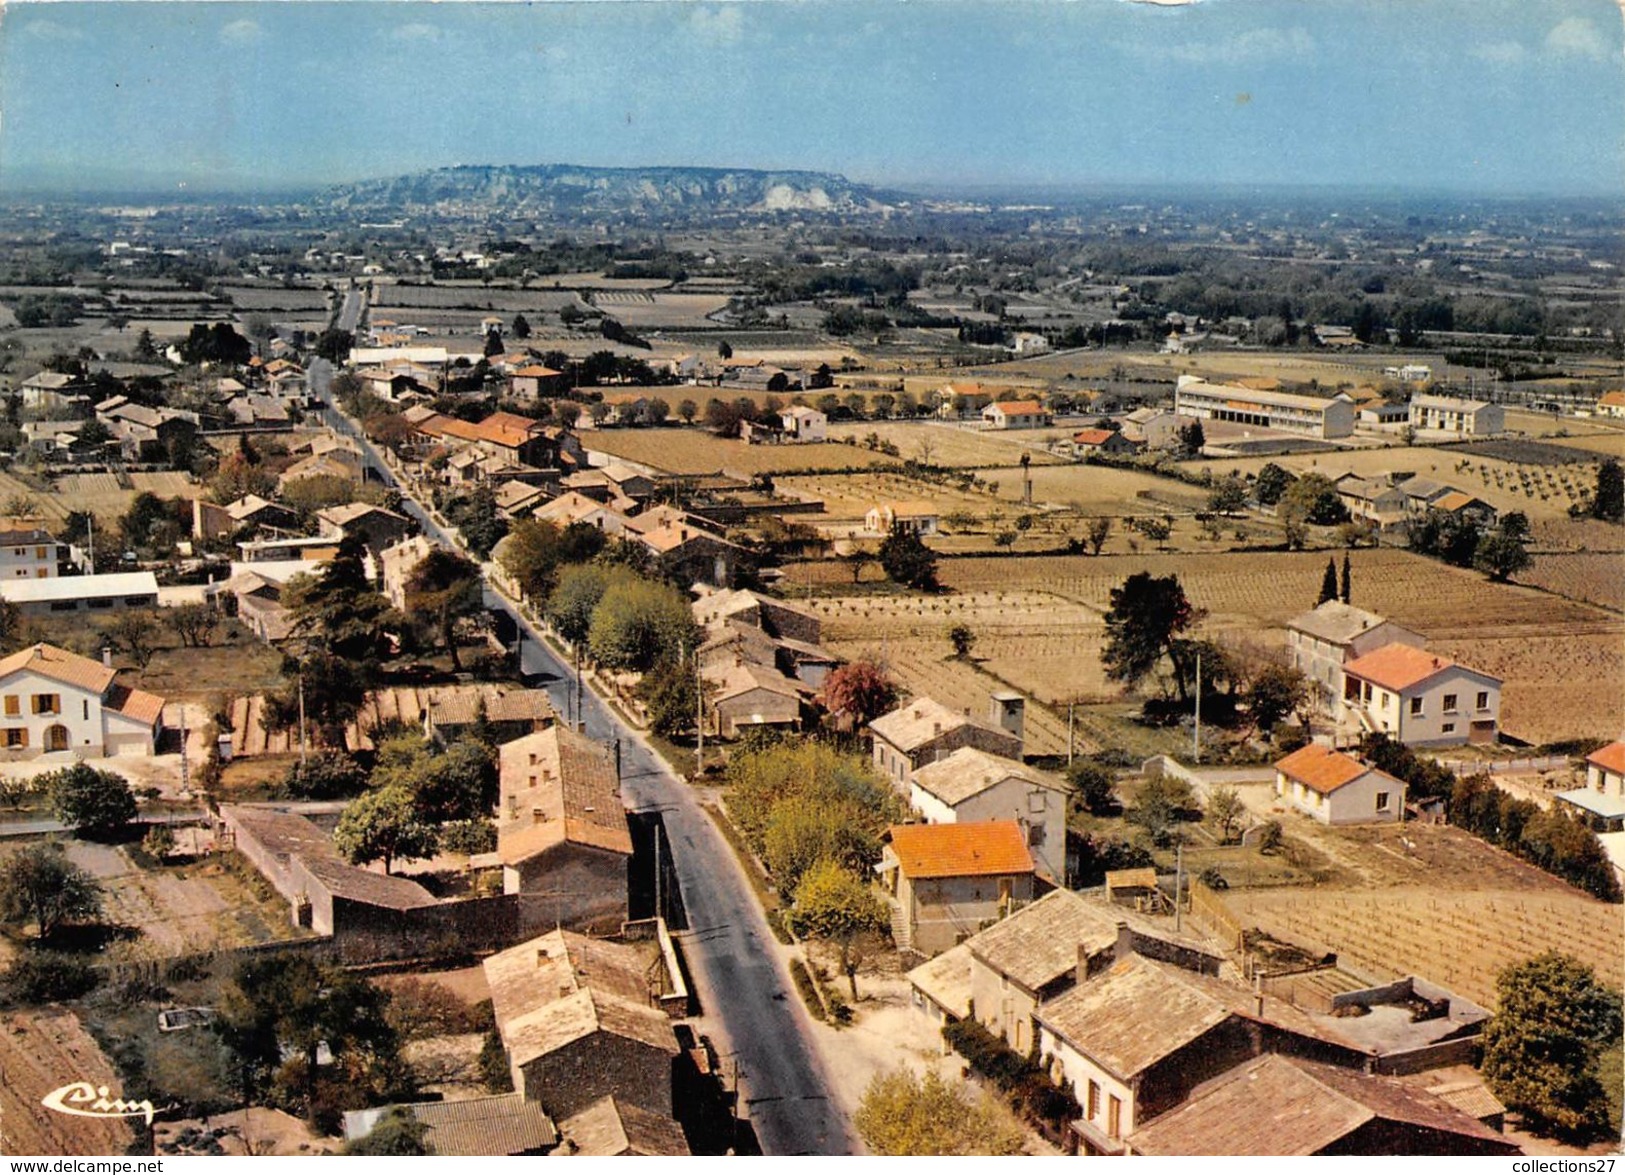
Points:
x=59, y=665
x=1320, y=768
x=1397, y=667
x=1610, y=758
x=960, y=850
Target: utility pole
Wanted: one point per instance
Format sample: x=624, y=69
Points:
x=1179, y=882
x=1196, y=731
x=580, y=723
x=90, y=542
x=1071, y=710
x=660, y=908
x=304, y=750
x=699, y=718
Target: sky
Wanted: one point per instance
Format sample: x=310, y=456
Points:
x=1493, y=96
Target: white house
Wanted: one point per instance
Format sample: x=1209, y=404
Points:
x=804, y=424
x=1322, y=640
x=82, y=593
x=1421, y=698
x=923, y=730
x=1605, y=769
x=54, y=700
x=1470, y=418
x=919, y=517
x=1015, y=414
x=1611, y=404
x=973, y=785
x=27, y=550
x=1335, y=788
x=1283, y=411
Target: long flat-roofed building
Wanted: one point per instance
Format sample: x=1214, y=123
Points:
x=1312, y=416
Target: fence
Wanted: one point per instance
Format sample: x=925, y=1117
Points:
x=1209, y=910
x=1505, y=766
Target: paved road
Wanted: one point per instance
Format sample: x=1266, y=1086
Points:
x=740, y=977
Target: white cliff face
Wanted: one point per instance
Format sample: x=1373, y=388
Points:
x=784, y=198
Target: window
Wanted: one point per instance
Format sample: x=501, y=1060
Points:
x=47, y=704
x=1448, y=728
x=1483, y=699
x=13, y=705
x=1450, y=703
x=1114, y=1116
x=39, y=552
x=1094, y=1101
x=17, y=736
x=1382, y=801
x=1036, y=802
x=1416, y=707
x=1035, y=835
x=86, y=704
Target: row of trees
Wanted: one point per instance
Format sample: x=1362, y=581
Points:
x=1465, y=541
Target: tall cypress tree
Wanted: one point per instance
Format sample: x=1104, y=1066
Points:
x=1345, y=577
x=1328, y=583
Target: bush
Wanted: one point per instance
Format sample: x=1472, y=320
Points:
x=468, y=837
x=326, y=775
x=493, y=1064
x=1270, y=839
x=38, y=976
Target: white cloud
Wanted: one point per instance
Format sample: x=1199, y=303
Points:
x=722, y=24
x=416, y=31
x=241, y=32
x=1499, y=53
x=1250, y=47
x=49, y=30
x=1577, y=37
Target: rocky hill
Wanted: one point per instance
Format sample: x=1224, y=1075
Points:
x=569, y=191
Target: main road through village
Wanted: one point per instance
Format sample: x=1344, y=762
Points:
x=752, y=1010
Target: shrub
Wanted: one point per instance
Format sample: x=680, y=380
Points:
x=38, y=976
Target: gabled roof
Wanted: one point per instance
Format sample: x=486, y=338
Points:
x=1458, y=500
x=1449, y=403
x=575, y=798
x=342, y=516
x=59, y=665
x=79, y=587
x=535, y=371
x=1017, y=408
x=1278, y=1105
x=1612, y=399
x=1609, y=758
x=501, y=1124
x=1108, y=1017
x=970, y=771
x=610, y=1126
x=135, y=704
x=1094, y=436
x=344, y=880
x=1324, y=770
x=918, y=722
x=984, y=849
x=1038, y=944
x=1401, y=667
x=947, y=978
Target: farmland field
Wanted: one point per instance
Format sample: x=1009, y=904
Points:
x=39, y=1051
x=1596, y=578
x=694, y=451
x=250, y=299
x=952, y=444
x=1609, y=442
x=1458, y=939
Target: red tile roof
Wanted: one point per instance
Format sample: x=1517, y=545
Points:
x=1397, y=667
x=1093, y=436
x=1609, y=758
x=960, y=850
x=1019, y=408
x=1320, y=768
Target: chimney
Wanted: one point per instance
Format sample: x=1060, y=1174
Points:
x=936, y=728
x=1082, y=971
x=107, y=656
x=1125, y=944
x=1258, y=995
x=1009, y=714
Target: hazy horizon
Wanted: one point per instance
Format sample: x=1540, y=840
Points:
x=1481, y=98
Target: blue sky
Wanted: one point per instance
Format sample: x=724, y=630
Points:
x=1475, y=95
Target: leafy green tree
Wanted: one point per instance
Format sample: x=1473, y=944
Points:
x=333, y=688
x=640, y=623
x=134, y=633
x=338, y=607
x=13, y=628
x=1271, y=484
x=1275, y=691
x=835, y=905
x=445, y=588
x=761, y=779
x=1228, y=496
x=1328, y=583
x=1541, y=1049
x=1100, y=529
x=1501, y=555
x=572, y=603
x=39, y=884
x=908, y=561
x=1147, y=613
x=334, y=345
x=1314, y=498
x=325, y=775
x=962, y=637
x=1224, y=808
x=860, y=688
x=1160, y=806
x=159, y=842
x=905, y=1114
x=88, y=799
x=384, y=825
x=1608, y=502
x=397, y=1132
x=1093, y=787
x=1192, y=438
x=458, y=783
x=195, y=624
x=671, y=697
x=521, y=327
x=1343, y=593
x=477, y=519
x=530, y=554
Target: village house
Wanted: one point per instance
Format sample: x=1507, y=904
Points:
x=1611, y=404
x=805, y=665
x=611, y=1127
x=1335, y=788
x=1468, y=418
x=1282, y=411
x=971, y=785
x=54, y=700
x=114, y=592
x=1285, y=1105
x=690, y=554
x=570, y=508
x=28, y=550
x=516, y=498
x=336, y=463
x=533, y=381
x=1154, y=428
x=918, y=518
x=1104, y=441
x=376, y=527
x=54, y=391
x=1382, y=414
x=804, y=425
x=494, y=1125
x=944, y=882
x=562, y=833
x=1013, y=414
x=1323, y=640
x=922, y=731
x=1601, y=802
x=507, y=713
x=396, y=565
x=149, y=434
x=1374, y=500
x=579, y=1021
x=778, y=618
x=1421, y=698
x=745, y=695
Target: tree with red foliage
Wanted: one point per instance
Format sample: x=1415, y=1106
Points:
x=862, y=689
